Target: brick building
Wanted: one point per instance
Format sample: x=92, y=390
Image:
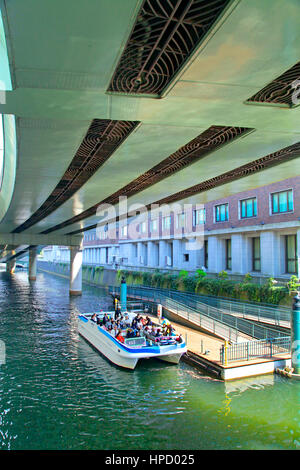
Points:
x=256, y=232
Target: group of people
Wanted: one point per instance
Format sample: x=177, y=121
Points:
x=138, y=327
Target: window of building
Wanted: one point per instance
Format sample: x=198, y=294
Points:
x=221, y=213
x=256, y=254
x=103, y=235
x=153, y=225
x=228, y=253
x=124, y=231
x=199, y=217
x=291, y=254
x=180, y=220
x=166, y=222
x=248, y=208
x=282, y=202
x=186, y=257
x=143, y=227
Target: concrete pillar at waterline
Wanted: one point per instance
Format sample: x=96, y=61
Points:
x=32, y=264
x=75, y=270
x=10, y=266
x=295, y=335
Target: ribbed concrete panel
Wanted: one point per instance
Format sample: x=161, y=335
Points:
x=162, y=40
x=101, y=140
x=283, y=90
x=205, y=143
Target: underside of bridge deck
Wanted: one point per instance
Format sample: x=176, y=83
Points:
x=156, y=101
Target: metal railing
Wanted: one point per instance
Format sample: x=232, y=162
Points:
x=203, y=315
x=253, y=349
x=211, y=324
x=280, y=316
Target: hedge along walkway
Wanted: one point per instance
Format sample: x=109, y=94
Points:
x=243, y=291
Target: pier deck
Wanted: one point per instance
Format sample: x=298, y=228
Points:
x=204, y=353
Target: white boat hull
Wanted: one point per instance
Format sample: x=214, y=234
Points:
x=120, y=354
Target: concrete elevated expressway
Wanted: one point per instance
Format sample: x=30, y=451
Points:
x=146, y=99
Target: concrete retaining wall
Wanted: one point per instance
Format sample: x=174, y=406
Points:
x=93, y=275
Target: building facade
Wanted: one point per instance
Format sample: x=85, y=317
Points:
x=256, y=232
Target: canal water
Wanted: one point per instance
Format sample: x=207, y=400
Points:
x=56, y=392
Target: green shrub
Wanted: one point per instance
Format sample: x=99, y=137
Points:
x=293, y=284
x=247, y=278
x=183, y=273
x=200, y=284
x=223, y=275
x=200, y=273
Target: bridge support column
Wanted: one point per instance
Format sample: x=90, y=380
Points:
x=32, y=263
x=76, y=270
x=10, y=266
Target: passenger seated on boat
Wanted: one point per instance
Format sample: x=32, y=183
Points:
x=148, y=322
x=105, y=319
x=114, y=331
x=127, y=321
x=130, y=333
x=94, y=318
x=137, y=320
x=153, y=330
x=122, y=323
x=119, y=336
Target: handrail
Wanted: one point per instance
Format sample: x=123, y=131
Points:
x=211, y=324
x=262, y=312
x=252, y=349
x=239, y=325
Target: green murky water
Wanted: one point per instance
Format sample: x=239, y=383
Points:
x=56, y=392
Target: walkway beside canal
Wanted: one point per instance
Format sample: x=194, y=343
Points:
x=204, y=352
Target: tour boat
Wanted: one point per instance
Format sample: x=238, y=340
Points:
x=126, y=354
